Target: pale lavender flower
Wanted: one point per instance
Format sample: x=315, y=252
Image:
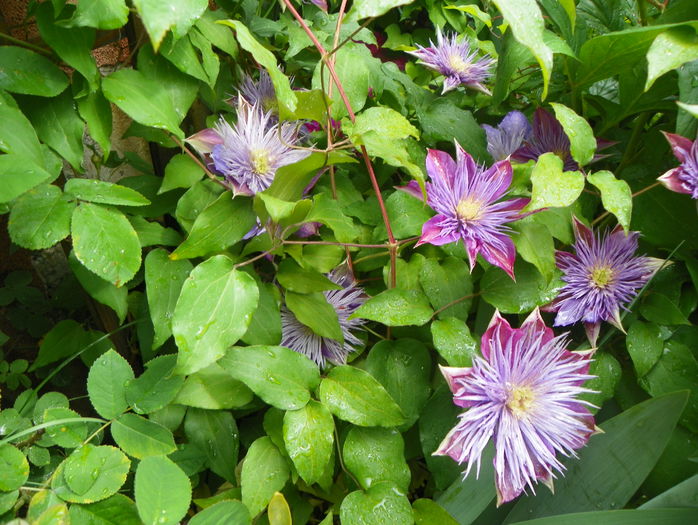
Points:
x=248, y=154
x=683, y=179
x=522, y=393
x=508, y=136
x=345, y=301
x=456, y=61
x=259, y=92
x=465, y=196
x=322, y=4
x=602, y=277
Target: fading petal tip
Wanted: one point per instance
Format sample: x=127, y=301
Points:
x=671, y=180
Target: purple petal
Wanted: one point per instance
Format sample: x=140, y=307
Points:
x=673, y=182
x=499, y=330
x=681, y=146
x=322, y=4
x=502, y=254
x=412, y=188
x=440, y=166
x=204, y=140
x=432, y=233
x=501, y=175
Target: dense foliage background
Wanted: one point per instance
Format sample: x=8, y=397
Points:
x=140, y=372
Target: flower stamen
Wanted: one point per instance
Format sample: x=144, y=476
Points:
x=521, y=400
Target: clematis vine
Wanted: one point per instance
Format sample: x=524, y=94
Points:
x=523, y=393
x=249, y=153
x=345, y=301
x=465, y=197
x=456, y=61
x=602, y=276
x=684, y=178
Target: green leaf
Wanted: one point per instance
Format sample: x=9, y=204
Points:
x=531, y=289
x=281, y=377
x=96, y=112
x=213, y=388
x=227, y=512
x=164, y=279
x=578, y=130
x=453, y=341
x=670, y=50
x=551, y=187
x=182, y=54
x=29, y=73
x=106, y=384
x=141, y=438
x=372, y=8
x=266, y=59
x=607, y=370
x=397, y=307
x=179, y=16
x=427, y=512
x=91, y=473
x=40, y=218
x=58, y=124
x=535, y=244
x=326, y=211
x=100, y=290
x=163, y=491
x=216, y=33
x=105, y=243
x=382, y=121
x=354, y=395
x=527, y=25
x=213, y=311
x=18, y=135
x=67, y=435
x=116, y=510
x=215, y=432
x=301, y=280
x=265, y=327
x=398, y=363
x=445, y=283
x=156, y=387
x=376, y=454
x=616, y=196
x=264, y=472
x=382, y=503
x=101, y=14
x=19, y=174
x=66, y=338
x=14, y=468
x=315, y=312
x=685, y=494
x=180, y=172
x=101, y=192
x=406, y=214
x=8, y=500
x=644, y=345
x=152, y=233
x=613, y=465
x=311, y=105
x=73, y=45
x=309, y=438
x=658, y=308
x=144, y=100
x=621, y=517
x=223, y=223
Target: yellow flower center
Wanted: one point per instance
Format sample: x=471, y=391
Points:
x=469, y=209
x=602, y=276
x=521, y=400
x=458, y=64
x=260, y=161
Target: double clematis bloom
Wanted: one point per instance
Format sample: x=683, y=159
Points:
x=249, y=153
x=508, y=136
x=345, y=301
x=522, y=393
x=602, y=276
x=456, y=61
x=260, y=92
x=464, y=196
x=683, y=179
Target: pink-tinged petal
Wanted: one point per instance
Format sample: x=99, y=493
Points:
x=616, y=321
x=592, y=330
x=671, y=181
x=498, y=331
x=451, y=374
x=479, y=87
x=654, y=264
x=322, y=4
x=536, y=324
x=565, y=260
x=472, y=247
x=432, y=233
x=516, y=204
x=503, y=254
x=440, y=166
x=466, y=164
x=450, y=83
x=204, y=140
x=500, y=175
x=582, y=232
x=681, y=146
x=602, y=144
x=412, y=188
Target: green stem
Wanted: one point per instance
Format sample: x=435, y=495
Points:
x=5, y=36
x=638, y=128
x=642, y=10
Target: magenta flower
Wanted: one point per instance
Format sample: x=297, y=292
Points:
x=456, y=61
x=248, y=154
x=683, y=179
x=297, y=336
x=523, y=393
x=602, y=277
x=464, y=196
x=508, y=136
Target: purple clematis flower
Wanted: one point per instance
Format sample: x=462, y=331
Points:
x=523, y=393
x=259, y=93
x=508, y=136
x=601, y=277
x=683, y=179
x=465, y=195
x=456, y=61
x=248, y=154
x=297, y=336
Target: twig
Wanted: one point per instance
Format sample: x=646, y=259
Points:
x=198, y=161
